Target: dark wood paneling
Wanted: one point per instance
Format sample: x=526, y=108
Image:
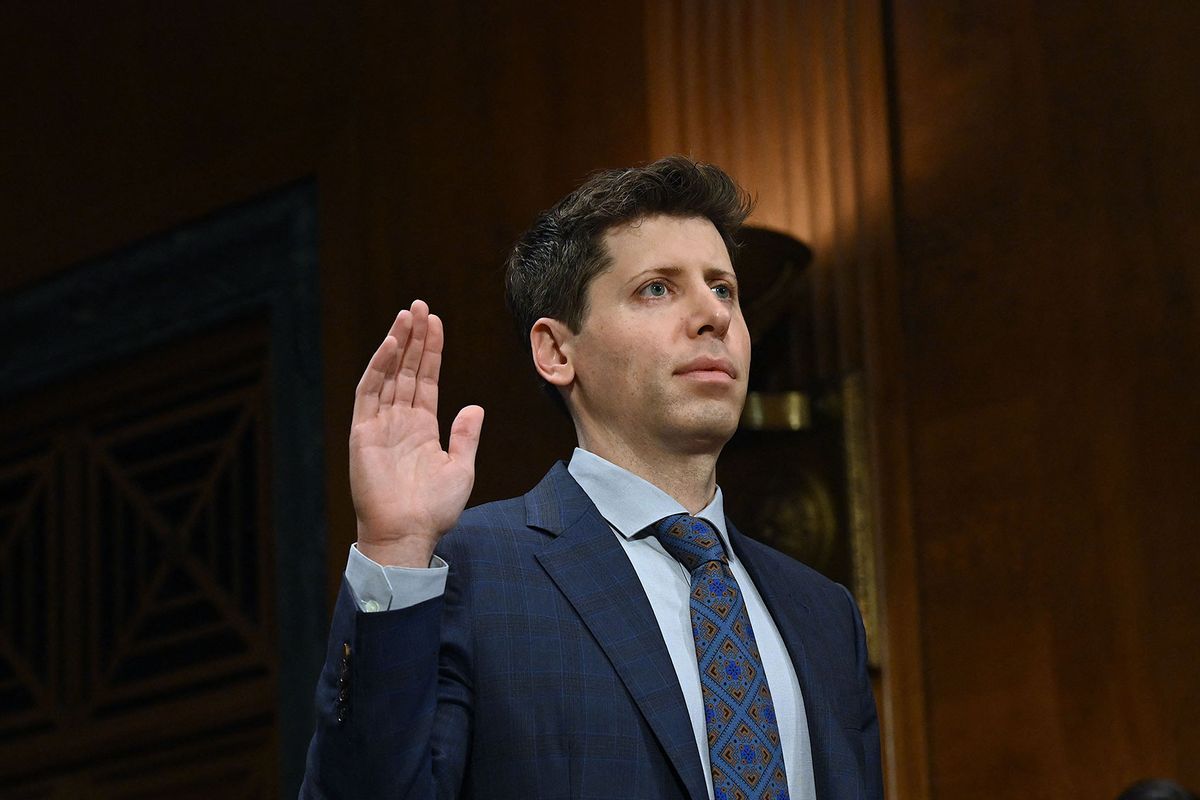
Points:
x=126, y=118
x=435, y=131
x=1050, y=293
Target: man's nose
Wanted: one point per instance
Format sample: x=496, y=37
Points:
x=711, y=314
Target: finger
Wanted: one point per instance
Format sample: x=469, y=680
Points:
x=401, y=327
x=464, y=436
x=366, y=394
x=426, y=395
x=410, y=356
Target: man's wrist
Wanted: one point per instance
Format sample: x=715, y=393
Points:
x=401, y=553
x=379, y=588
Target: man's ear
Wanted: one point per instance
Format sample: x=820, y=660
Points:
x=550, y=342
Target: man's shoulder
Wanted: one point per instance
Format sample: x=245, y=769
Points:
x=497, y=513
x=550, y=505
x=489, y=536
x=517, y=523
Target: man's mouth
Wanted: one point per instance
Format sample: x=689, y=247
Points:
x=708, y=368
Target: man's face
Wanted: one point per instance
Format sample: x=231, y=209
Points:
x=663, y=355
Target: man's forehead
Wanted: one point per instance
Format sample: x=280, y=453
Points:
x=643, y=235
x=637, y=224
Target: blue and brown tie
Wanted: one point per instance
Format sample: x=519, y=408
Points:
x=743, y=739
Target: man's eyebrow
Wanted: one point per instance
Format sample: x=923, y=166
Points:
x=659, y=269
x=671, y=270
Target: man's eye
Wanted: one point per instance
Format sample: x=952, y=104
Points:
x=656, y=289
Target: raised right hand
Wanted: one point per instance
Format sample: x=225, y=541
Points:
x=407, y=490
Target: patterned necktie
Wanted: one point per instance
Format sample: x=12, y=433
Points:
x=743, y=739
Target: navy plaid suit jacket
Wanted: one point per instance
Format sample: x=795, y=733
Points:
x=542, y=673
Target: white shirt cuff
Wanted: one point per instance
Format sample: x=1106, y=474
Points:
x=380, y=588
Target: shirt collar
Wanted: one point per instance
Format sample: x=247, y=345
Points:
x=631, y=504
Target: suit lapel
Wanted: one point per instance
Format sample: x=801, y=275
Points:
x=591, y=569
x=789, y=605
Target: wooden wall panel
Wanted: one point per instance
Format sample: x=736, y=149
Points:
x=124, y=119
x=435, y=132
x=1049, y=293
x=768, y=90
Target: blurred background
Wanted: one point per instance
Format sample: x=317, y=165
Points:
x=975, y=312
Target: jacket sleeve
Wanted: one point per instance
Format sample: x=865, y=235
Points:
x=393, y=702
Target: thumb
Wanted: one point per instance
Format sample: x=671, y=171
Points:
x=464, y=435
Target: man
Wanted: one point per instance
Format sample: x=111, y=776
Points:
x=610, y=634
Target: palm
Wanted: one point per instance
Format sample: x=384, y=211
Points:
x=406, y=488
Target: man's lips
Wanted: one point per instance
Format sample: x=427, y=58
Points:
x=708, y=367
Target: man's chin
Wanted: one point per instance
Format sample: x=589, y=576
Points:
x=706, y=433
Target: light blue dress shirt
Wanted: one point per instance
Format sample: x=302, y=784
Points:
x=630, y=505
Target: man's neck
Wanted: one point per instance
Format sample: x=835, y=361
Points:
x=689, y=478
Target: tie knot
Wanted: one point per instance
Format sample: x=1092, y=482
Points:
x=689, y=540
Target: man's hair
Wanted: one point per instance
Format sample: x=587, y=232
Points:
x=552, y=264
